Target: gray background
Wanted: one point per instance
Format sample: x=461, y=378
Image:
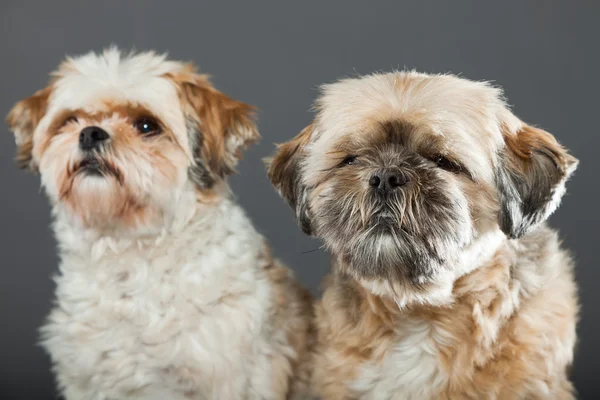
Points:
x=273, y=55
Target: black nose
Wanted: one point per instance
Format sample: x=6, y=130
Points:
x=387, y=181
x=91, y=137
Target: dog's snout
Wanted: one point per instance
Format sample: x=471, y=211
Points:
x=387, y=181
x=91, y=137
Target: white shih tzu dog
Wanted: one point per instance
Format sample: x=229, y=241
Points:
x=431, y=196
x=165, y=290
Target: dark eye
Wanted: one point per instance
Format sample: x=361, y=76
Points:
x=349, y=160
x=147, y=126
x=445, y=164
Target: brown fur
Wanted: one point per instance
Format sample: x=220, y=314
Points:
x=22, y=119
x=533, y=164
x=353, y=326
x=529, y=141
x=499, y=338
x=226, y=125
x=282, y=168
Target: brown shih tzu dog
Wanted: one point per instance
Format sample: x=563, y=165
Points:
x=431, y=197
x=165, y=291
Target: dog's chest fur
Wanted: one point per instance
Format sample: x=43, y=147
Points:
x=181, y=318
x=411, y=370
x=509, y=333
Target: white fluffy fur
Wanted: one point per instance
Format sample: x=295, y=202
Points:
x=90, y=79
x=176, y=313
x=95, y=82
x=177, y=306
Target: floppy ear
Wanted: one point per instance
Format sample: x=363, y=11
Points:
x=531, y=175
x=22, y=119
x=283, y=170
x=219, y=128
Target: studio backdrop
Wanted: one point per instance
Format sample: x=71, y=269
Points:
x=273, y=54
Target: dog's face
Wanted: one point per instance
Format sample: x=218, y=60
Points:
x=400, y=173
x=119, y=141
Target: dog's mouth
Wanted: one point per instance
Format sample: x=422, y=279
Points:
x=97, y=166
x=384, y=221
x=392, y=218
x=385, y=216
x=90, y=166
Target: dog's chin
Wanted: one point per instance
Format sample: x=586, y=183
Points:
x=391, y=248
x=96, y=195
x=387, y=249
x=390, y=254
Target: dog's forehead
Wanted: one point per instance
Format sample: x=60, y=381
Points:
x=465, y=113
x=92, y=81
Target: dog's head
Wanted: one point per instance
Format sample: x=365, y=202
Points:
x=119, y=140
x=400, y=172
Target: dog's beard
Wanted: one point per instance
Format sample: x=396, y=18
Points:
x=413, y=233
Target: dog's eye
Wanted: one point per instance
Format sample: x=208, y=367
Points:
x=147, y=126
x=349, y=160
x=445, y=164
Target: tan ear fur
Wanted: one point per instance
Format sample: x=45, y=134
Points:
x=283, y=170
x=222, y=128
x=283, y=166
x=530, y=140
x=22, y=119
x=531, y=176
